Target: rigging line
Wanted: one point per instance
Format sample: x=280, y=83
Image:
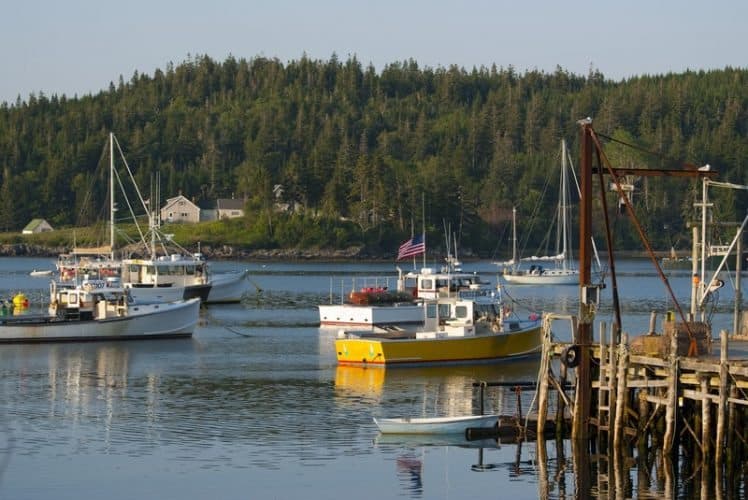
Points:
x=647, y=151
x=533, y=218
x=611, y=260
x=645, y=241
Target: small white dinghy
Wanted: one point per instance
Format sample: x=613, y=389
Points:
x=435, y=425
x=40, y=274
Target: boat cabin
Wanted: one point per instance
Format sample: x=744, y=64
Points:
x=427, y=284
x=460, y=316
x=166, y=271
x=94, y=300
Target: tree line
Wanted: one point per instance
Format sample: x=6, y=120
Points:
x=368, y=157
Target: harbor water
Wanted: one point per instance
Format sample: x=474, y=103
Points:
x=255, y=406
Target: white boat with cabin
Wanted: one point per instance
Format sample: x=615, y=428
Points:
x=98, y=311
x=372, y=306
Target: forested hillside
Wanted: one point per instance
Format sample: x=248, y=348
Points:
x=373, y=148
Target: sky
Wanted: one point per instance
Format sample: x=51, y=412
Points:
x=77, y=47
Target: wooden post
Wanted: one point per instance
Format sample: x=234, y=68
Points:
x=612, y=384
x=652, y=322
x=722, y=406
x=623, y=364
x=706, y=422
x=543, y=386
x=642, y=440
x=672, y=399
x=583, y=338
x=603, y=395
x=561, y=403
x=732, y=442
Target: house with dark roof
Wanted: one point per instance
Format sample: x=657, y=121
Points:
x=229, y=208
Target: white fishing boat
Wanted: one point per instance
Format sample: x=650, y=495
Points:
x=162, y=275
x=558, y=269
x=435, y=425
x=96, y=311
x=377, y=305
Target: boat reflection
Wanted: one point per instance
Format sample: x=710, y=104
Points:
x=373, y=381
x=421, y=440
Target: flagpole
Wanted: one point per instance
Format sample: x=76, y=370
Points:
x=423, y=225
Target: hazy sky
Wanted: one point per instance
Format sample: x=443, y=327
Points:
x=79, y=46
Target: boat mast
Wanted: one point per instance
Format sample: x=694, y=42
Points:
x=111, y=195
x=563, y=206
x=514, y=237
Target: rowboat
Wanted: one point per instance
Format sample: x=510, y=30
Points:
x=435, y=425
x=472, y=327
x=95, y=311
x=40, y=273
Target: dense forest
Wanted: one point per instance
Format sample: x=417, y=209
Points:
x=367, y=155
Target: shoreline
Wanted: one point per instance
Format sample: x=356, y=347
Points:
x=228, y=252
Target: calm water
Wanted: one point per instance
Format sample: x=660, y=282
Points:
x=254, y=406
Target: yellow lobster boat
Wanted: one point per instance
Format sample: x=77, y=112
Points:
x=467, y=328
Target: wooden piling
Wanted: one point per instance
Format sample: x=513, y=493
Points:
x=543, y=382
x=671, y=399
x=722, y=405
x=623, y=358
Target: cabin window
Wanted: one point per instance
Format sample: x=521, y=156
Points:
x=461, y=311
x=444, y=311
x=427, y=284
x=190, y=270
x=431, y=310
x=164, y=270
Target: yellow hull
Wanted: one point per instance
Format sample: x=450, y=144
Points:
x=487, y=347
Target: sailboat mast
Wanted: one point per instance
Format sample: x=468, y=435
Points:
x=111, y=195
x=514, y=237
x=563, y=200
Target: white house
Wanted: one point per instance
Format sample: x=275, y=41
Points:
x=180, y=209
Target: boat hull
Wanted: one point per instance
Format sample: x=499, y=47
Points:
x=175, y=319
x=368, y=316
x=362, y=350
x=435, y=425
x=549, y=277
x=228, y=288
x=149, y=294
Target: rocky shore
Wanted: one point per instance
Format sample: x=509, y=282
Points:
x=228, y=252
x=214, y=252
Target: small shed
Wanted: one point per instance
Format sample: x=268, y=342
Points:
x=37, y=226
x=229, y=208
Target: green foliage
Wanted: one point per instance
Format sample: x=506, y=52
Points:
x=362, y=155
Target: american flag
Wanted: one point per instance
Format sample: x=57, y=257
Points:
x=414, y=246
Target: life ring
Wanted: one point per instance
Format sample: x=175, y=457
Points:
x=570, y=356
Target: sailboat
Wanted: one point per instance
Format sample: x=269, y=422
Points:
x=563, y=271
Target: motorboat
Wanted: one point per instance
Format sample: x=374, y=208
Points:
x=96, y=311
x=473, y=326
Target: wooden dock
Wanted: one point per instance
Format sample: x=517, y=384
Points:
x=662, y=403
